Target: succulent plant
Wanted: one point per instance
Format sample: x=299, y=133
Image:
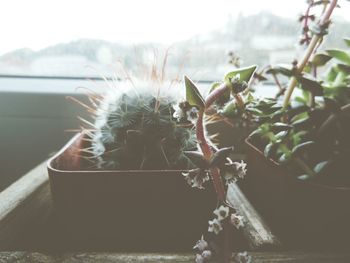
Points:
x=312, y=141
x=136, y=129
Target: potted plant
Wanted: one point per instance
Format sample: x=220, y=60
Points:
x=298, y=155
x=226, y=117
x=215, y=163
x=120, y=182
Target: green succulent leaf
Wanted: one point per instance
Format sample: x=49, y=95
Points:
x=305, y=177
x=193, y=95
x=282, y=126
x=281, y=135
x=302, y=123
x=278, y=113
x=284, y=158
x=254, y=111
x=310, y=84
x=320, y=59
x=321, y=166
x=245, y=74
x=341, y=55
x=197, y=158
x=220, y=156
x=332, y=74
x=302, y=147
x=261, y=130
x=268, y=149
x=297, y=137
x=255, y=133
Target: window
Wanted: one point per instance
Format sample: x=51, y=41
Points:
x=88, y=38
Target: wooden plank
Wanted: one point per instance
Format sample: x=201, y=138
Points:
x=257, y=257
x=25, y=203
x=256, y=231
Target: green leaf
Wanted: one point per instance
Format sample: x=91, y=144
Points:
x=281, y=136
x=255, y=133
x=197, y=158
x=310, y=84
x=254, y=111
x=321, y=166
x=332, y=74
x=268, y=150
x=193, y=95
x=297, y=137
x=299, y=116
x=347, y=41
x=284, y=158
x=245, y=74
x=304, y=177
x=320, y=59
x=285, y=70
x=302, y=147
x=220, y=156
x=340, y=55
x=280, y=126
x=277, y=114
x=302, y=123
x=230, y=109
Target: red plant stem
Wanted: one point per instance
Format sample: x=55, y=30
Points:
x=204, y=145
x=216, y=93
x=306, y=22
x=208, y=152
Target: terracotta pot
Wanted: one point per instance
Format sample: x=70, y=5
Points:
x=303, y=213
x=128, y=210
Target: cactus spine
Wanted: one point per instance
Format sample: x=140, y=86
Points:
x=135, y=129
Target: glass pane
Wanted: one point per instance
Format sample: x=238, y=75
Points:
x=89, y=38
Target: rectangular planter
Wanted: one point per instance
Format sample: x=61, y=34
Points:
x=302, y=213
x=129, y=210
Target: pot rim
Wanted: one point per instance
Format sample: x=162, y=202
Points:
x=50, y=163
x=319, y=185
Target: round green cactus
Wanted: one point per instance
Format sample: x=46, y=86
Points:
x=136, y=129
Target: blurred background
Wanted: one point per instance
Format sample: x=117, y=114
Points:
x=50, y=48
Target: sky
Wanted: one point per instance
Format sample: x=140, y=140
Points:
x=37, y=24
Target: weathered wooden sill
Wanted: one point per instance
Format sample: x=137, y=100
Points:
x=257, y=257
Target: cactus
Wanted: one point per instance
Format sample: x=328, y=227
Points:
x=135, y=129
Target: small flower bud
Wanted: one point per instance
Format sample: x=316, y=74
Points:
x=237, y=221
x=221, y=212
x=201, y=245
x=206, y=255
x=215, y=226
